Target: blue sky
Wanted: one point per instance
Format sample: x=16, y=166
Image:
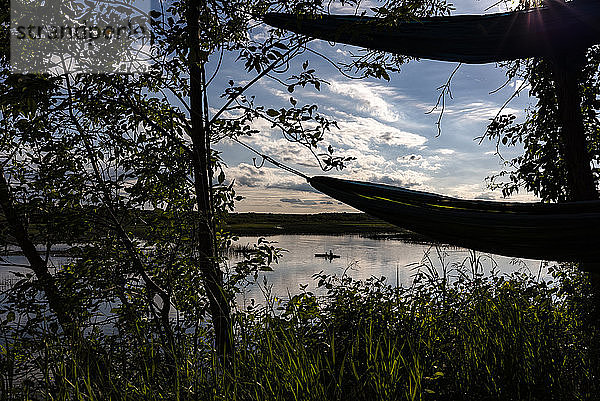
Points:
x=384, y=125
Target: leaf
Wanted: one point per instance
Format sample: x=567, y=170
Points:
x=10, y=316
x=272, y=113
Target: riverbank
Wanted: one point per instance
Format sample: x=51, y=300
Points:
x=83, y=225
x=322, y=223
x=491, y=338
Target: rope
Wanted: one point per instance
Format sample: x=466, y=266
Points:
x=271, y=160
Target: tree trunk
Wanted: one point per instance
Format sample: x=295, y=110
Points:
x=567, y=70
x=56, y=302
x=211, y=273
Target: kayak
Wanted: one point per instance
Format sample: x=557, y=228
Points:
x=557, y=29
x=326, y=255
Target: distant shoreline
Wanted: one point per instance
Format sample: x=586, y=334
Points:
x=249, y=224
x=239, y=224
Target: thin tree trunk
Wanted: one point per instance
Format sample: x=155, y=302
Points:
x=56, y=302
x=211, y=273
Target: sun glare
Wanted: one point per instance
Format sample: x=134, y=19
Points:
x=511, y=5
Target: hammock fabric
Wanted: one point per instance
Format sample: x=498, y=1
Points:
x=554, y=30
x=561, y=232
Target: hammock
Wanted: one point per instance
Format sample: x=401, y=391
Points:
x=552, y=30
x=561, y=232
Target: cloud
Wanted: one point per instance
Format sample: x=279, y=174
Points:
x=467, y=190
x=305, y=202
x=351, y=8
x=381, y=124
x=261, y=200
x=266, y=178
x=445, y=151
x=246, y=175
x=479, y=111
x=486, y=196
x=473, y=111
x=301, y=202
x=401, y=178
x=393, y=137
x=285, y=151
x=369, y=98
x=431, y=163
x=519, y=84
x=361, y=132
x=366, y=139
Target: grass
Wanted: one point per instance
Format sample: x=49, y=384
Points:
x=453, y=335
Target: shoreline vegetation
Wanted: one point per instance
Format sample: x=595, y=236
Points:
x=249, y=224
x=454, y=334
x=81, y=226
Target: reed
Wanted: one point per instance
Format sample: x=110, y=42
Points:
x=454, y=334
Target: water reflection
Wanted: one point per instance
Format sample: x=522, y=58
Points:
x=361, y=258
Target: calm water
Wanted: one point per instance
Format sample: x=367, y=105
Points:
x=362, y=258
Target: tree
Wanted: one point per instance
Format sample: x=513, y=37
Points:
x=542, y=168
x=566, y=88
x=560, y=134
x=120, y=168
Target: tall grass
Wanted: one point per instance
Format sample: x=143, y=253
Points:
x=455, y=334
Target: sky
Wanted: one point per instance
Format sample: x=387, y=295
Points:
x=385, y=125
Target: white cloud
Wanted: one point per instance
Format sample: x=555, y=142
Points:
x=479, y=111
x=445, y=151
x=360, y=132
x=401, y=178
x=369, y=98
x=246, y=175
x=307, y=202
x=284, y=151
x=285, y=201
x=473, y=112
x=432, y=163
x=358, y=137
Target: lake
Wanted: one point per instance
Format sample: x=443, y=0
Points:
x=362, y=257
